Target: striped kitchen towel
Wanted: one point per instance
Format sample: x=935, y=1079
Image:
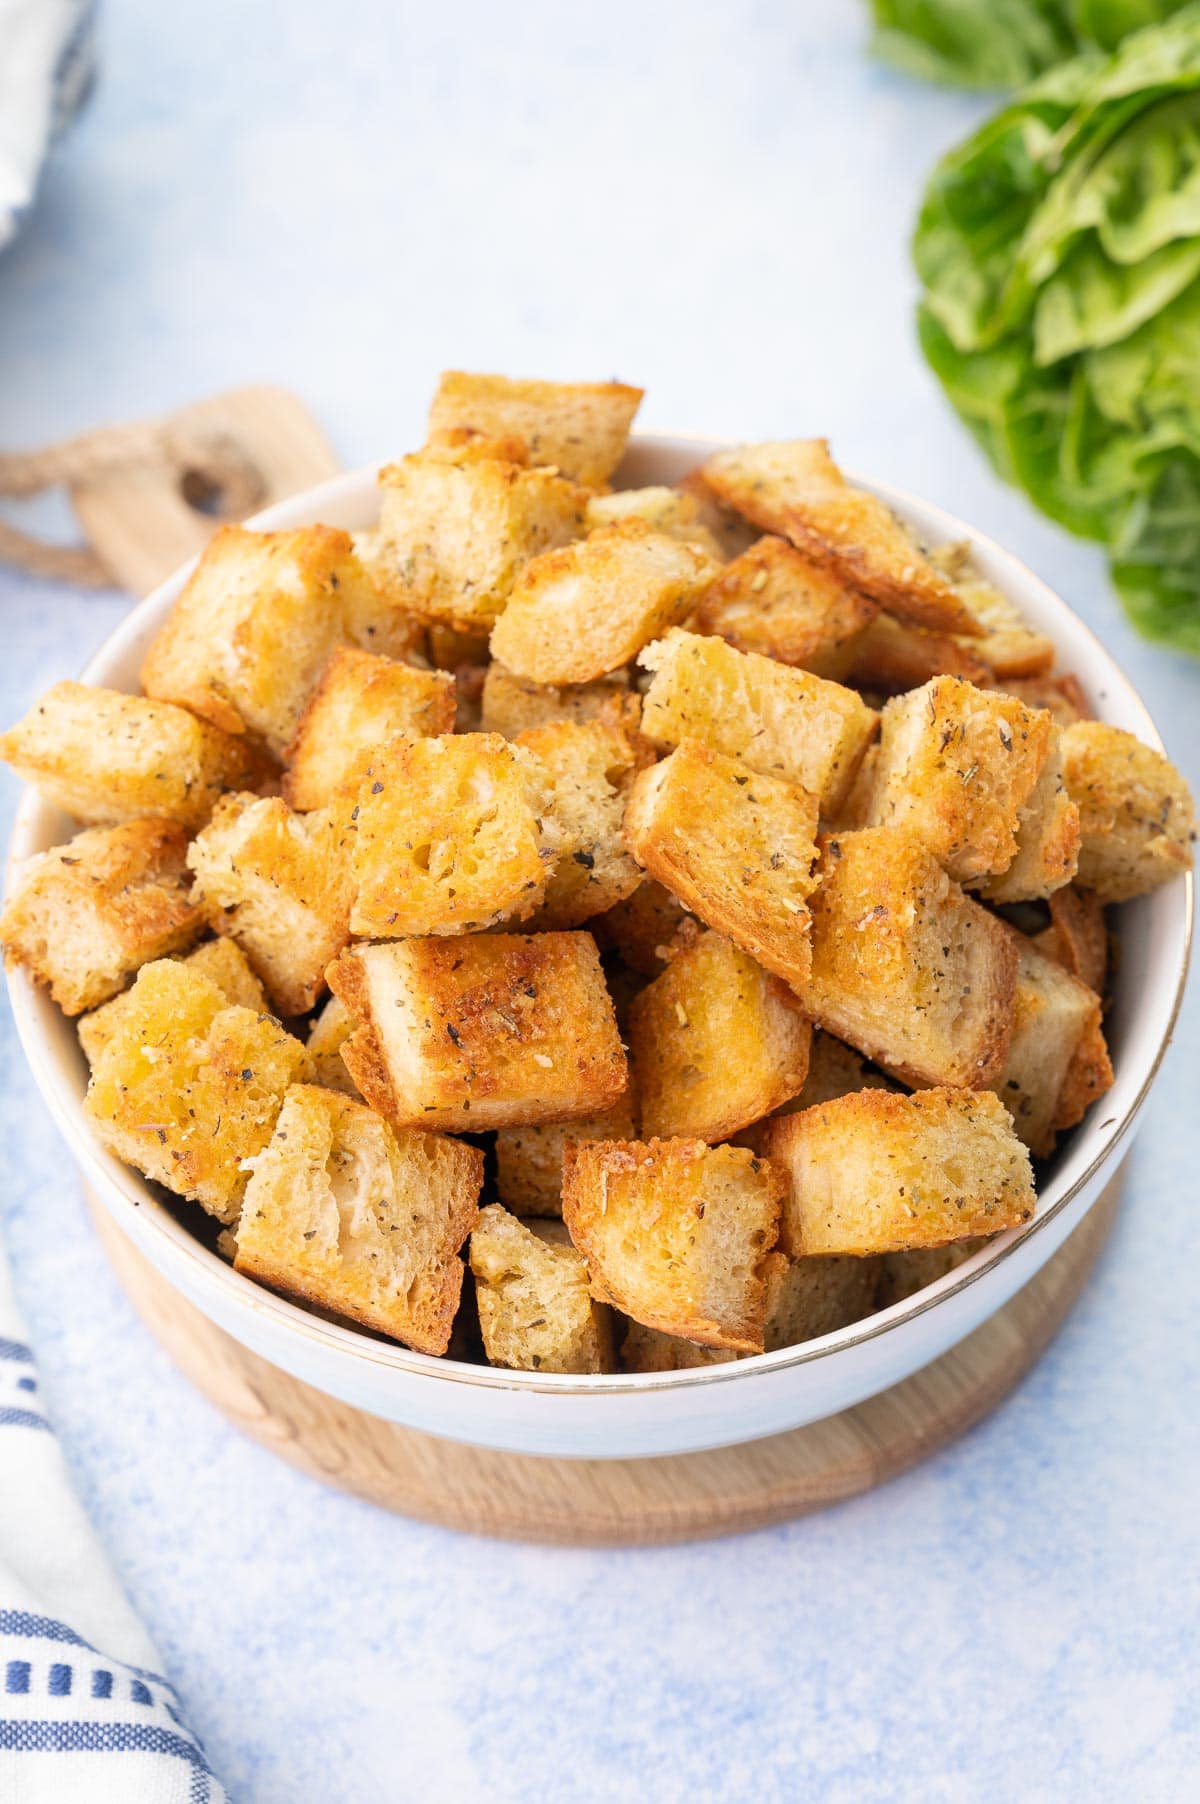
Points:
x=84, y=1713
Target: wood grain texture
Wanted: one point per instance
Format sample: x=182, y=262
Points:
x=617, y=1502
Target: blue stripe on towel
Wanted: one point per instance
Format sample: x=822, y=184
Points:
x=16, y=1677
x=22, y=1418
x=24, y=1624
x=16, y=1349
x=104, y=1738
x=60, y=1680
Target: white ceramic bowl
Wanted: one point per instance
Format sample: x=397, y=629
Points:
x=653, y=1413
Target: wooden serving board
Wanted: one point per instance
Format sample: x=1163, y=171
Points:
x=616, y=1502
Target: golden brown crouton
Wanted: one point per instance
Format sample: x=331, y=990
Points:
x=375, y=605
x=344, y=1212
x=735, y=847
x=1008, y=645
x=221, y=961
x=805, y=1299
x=1136, y=818
x=460, y=527
x=1061, y=696
x=904, y=966
x=733, y=534
x=449, y=835
x=716, y=1042
x=783, y=722
x=588, y=768
x=583, y=611
x=82, y=917
x=279, y=884
x=794, y=488
x=641, y=928
x=834, y=1069
x=188, y=1088
x=536, y=1312
x=676, y=1234
x=1053, y=1014
x=1077, y=936
x=529, y=1158
x=481, y=1033
x=359, y=704
x=957, y=765
x=904, y=1274
x=889, y=657
x=326, y=1037
x=877, y=1172
x=1047, y=838
x=104, y=757
x=512, y=704
x=776, y=601
x=666, y=510
x=251, y=631
x=580, y=427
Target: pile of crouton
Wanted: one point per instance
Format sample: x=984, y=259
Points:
x=709, y=881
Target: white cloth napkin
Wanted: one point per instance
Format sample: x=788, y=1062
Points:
x=85, y=1716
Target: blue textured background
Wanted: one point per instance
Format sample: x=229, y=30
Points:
x=714, y=202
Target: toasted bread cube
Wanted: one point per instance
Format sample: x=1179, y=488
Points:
x=512, y=704
x=716, y=1042
x=794, y=488
x=104, y=757
x=783, y=722
x=536, y=1312
x=1008, y=645
x=588, y=768
x=251, y=631
x=84, y=916
x=776, y=601
x=877, y=1172
x=1053, y=1014
x=460, y=527
x=1061, y=696
x=529, y=1159
x=805, y=1299
x=376, y=616
x=1077, y=936
x=221, y=961
x=676, y=1234
x=452, y=647
x=957, y=765
x=481, y=1033
x=666, y=510
x=834, y=1069
x=279, y=884
x=905, y=967
x=1136, y=818
x=344, y=1212
x=735, y=847
x=326, y=1037
x=188, y=1088
x=449, y=835
x=904, y=1274
x=580, y=427
x=641, y=929
x=1047, y=838
x=583, y=611
x=889, y=657
x=360, y=702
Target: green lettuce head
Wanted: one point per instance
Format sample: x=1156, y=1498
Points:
x=1059, y=256
x=1002, y=43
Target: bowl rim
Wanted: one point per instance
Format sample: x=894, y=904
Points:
x=113, y=1178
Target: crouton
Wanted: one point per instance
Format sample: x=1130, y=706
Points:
x=448, y=835
x=1061, y=696
x=374, y=605
x=735, y=847
x=279, y=884
x=957, y=765
x=347, y=1214
x=536, y=1312
x=783, y=722
x=1077, y=936
x=805, y=1299
x=360, y=702
x=1008, y=645
x=251, y=631
x=103, y=757
x=1052, y=1013
x=666, y=510
x=889, y=657
x=221, y=961
x=588, y=768
x=856, y=805
x=1136, y=818
x=732, y=534
x=512, y=704
x=583, y=611
x=834, y=1069
x=481, y=1033
x=905, y=967
x=529, y=1158
x=84, y=916
x=878, y=1172
x=1089, y=1074
x=776, y=601
x=579, y=427
x=640, y=929
x=326, y=1037
x=715, y=1043
x=460, y=527
x=452, y=647
x=904, y=1274
x=676, y=1234
x=188, y=1088
x=1047, y=838
x=795, y=489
